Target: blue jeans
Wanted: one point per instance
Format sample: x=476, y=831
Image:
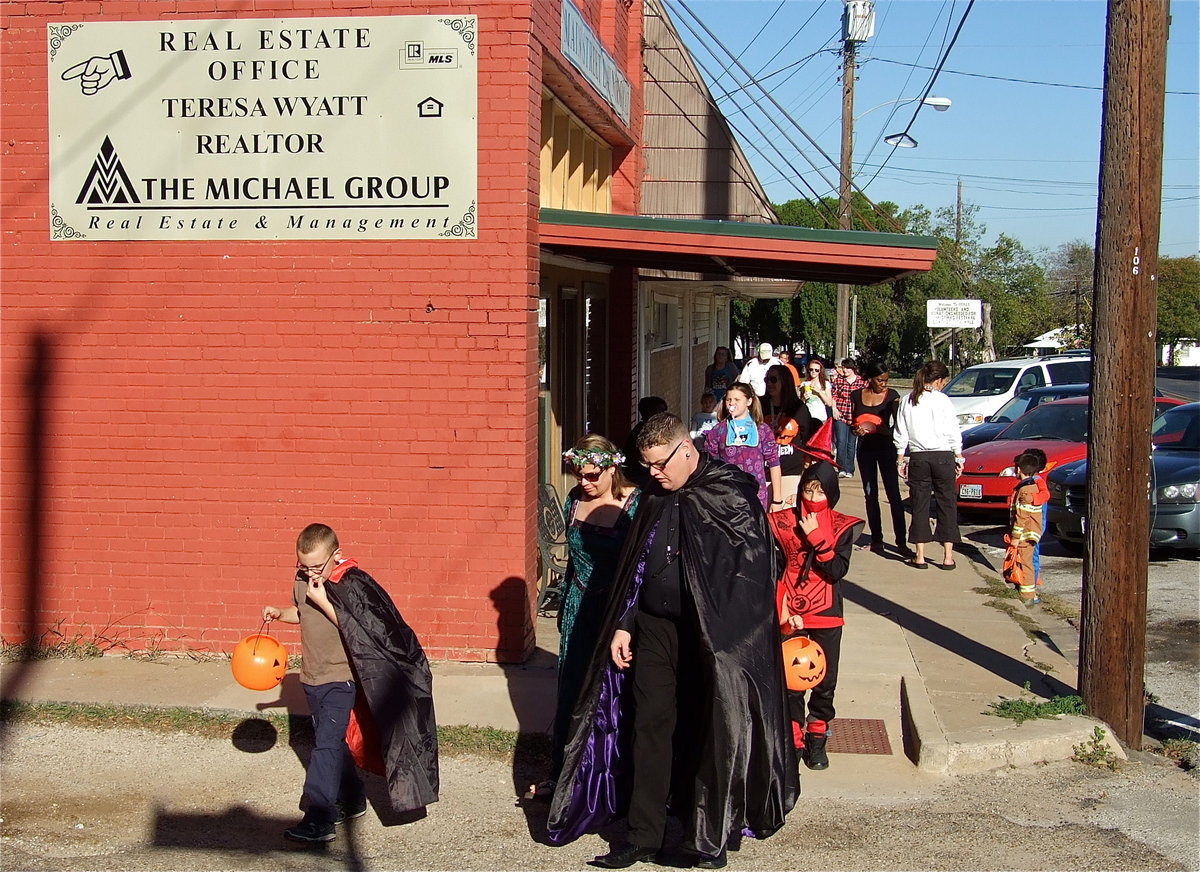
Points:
x=846, y=443
x=331, y=773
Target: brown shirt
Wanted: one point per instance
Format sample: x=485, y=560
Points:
x=325, y=659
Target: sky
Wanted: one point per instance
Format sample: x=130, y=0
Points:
x=1027, y=152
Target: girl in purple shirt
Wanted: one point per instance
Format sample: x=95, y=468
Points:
x=741, y=438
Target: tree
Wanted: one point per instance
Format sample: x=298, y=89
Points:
x=1069, y=276
x=1014, y=284
x=1178, y=302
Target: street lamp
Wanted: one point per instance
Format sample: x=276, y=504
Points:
x=941, y=104
x=903, y=140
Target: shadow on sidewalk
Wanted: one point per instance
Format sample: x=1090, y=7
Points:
x=245, y=831
x=1018, y=672
x=532, y=705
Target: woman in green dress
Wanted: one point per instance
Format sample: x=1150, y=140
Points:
x=598, y=512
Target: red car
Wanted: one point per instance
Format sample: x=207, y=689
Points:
x=1060, y=429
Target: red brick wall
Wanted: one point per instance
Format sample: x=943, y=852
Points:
x=175, y=412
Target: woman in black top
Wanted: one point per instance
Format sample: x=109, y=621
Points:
x=874, y=414
x=785, y=413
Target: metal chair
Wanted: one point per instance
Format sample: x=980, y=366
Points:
x=552, y=546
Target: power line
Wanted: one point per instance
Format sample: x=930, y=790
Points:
x=1010, y=78
x=928, y=88
x=795, y=173
x=904, y=86
x=792, y=121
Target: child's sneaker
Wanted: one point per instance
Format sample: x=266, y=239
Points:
x=310, y=831
x=814, y=751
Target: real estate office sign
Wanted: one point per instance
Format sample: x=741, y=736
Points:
x=312, y=128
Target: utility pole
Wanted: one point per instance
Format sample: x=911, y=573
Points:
x=1113, y=628
x=858, y=25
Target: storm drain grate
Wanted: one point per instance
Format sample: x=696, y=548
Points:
x=859, y=736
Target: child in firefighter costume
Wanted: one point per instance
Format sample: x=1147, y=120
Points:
x=818, y=543
x=1022, y=561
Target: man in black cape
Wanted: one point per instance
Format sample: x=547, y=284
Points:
x=700, y=721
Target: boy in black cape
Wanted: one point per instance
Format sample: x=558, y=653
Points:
x=692, y=610
x=367, y=680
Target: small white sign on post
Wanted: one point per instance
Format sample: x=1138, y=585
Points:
x=953, y=313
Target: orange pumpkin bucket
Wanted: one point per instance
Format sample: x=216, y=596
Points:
x=803, y=663
x=259, y=661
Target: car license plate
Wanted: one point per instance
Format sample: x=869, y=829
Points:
x=970, y=492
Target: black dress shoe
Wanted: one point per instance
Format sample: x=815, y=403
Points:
x=623, y=857
x=715, y=862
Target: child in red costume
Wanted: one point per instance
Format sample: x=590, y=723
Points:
x=818, y=543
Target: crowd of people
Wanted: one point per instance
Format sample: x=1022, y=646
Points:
x=693, y=554
x=696, y=553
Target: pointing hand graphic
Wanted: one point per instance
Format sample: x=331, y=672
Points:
x=95, y=73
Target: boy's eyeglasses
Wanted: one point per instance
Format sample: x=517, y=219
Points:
x=590, y=476
x=314, y=570
x=660, y=465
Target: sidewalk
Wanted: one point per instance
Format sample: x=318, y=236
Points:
x=922, y=652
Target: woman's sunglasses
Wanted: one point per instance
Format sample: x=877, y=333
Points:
x=593, y=477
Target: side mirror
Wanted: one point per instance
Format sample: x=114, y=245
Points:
x=987, y=418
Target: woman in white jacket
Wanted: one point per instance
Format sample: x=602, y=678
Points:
x=929, y=454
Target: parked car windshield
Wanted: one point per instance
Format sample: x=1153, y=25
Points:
x=1068, y=422
x=1012, y=410
x=981, y=382
x=1177, y=428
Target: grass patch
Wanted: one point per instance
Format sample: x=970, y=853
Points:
x=1095, y=752
x=1181, y=751
x=533, y=749
x=1005, y=598
x=1061, y=608
x=1027, y=707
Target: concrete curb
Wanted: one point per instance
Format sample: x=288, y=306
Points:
x=925, y=742
x=1027, y=744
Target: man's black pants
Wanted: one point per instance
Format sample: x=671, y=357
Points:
x=666, y=674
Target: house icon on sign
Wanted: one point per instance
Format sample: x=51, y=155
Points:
x=429, y=108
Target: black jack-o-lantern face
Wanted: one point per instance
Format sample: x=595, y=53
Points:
x=803, y=663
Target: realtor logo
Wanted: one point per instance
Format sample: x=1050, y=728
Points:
x=107, y=183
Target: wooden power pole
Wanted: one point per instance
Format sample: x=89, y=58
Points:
x=1113, y=633
x=858, y=25
x=840, y=344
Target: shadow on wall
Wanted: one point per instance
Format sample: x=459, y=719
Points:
x=39, y=382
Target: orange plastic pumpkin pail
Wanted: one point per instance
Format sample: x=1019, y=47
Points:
x=803, y=663
x=259, y=662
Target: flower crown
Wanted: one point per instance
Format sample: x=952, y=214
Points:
x=600, y=459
